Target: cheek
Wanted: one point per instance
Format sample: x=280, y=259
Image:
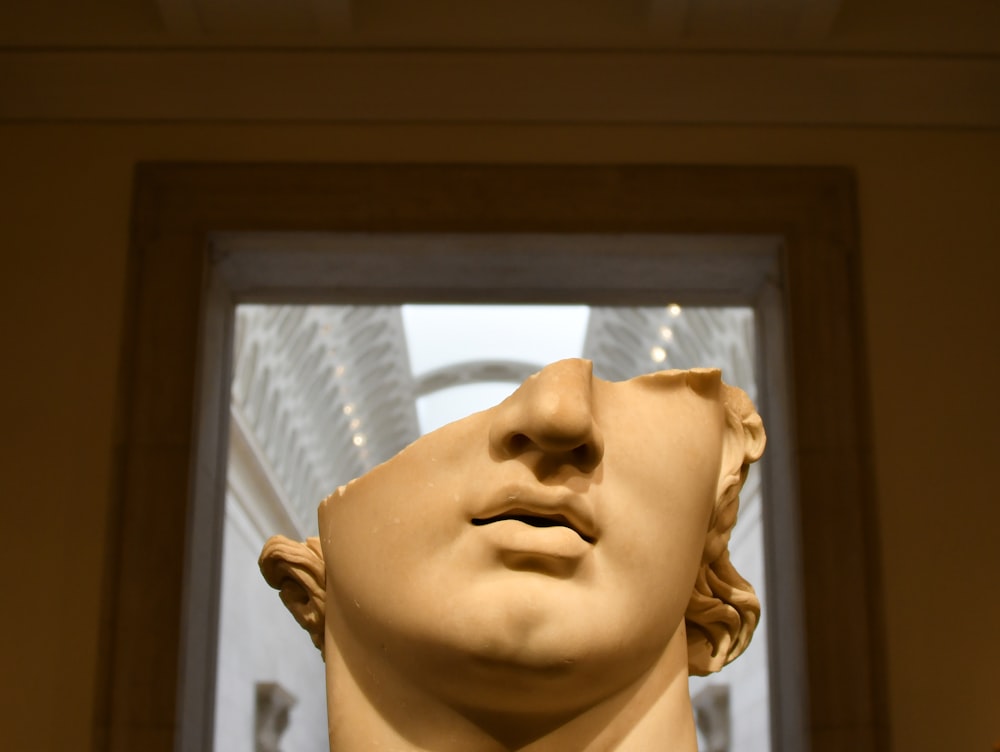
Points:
x=385, y=552
x=373, y=541
x=670, y=544
x=657, y=529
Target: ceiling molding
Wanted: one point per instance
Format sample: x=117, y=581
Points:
x=181, y=18
x=668, y=17
x=333, y=16
x=816, y=20
x=498, y=87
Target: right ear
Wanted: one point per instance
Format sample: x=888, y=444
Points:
x=297, y=571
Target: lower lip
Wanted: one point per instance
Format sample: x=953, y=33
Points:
x=519, y=537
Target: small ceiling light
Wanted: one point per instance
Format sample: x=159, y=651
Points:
x=355, y=423
x=674, y=310
x=348, y=408
x=338, y=371
x=658, y=354
x=666, y=334
x=359, y=439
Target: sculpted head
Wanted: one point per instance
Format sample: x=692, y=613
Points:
x=541, y=555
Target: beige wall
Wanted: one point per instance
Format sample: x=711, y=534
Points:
x=930, y=236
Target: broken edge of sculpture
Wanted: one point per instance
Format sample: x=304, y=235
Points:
x=541, y=575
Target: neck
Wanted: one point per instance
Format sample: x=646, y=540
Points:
x=384, y=712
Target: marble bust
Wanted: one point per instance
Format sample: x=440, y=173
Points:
x=542, y=575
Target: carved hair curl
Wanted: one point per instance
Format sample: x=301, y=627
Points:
x=724, y=610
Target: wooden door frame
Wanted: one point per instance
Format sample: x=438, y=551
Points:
x=181, y=209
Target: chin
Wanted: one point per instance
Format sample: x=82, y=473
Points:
x=532, y=649
x=551, y=643
x=546, y=672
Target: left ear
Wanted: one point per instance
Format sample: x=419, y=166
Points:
x=297, y=571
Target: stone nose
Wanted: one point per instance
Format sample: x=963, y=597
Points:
x=551, y=414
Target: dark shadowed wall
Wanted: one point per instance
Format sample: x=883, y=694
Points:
x=929, y=208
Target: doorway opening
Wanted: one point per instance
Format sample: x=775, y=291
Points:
x=320, y=393
x=207, y=237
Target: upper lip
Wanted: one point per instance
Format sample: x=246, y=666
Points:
x=542, y=506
